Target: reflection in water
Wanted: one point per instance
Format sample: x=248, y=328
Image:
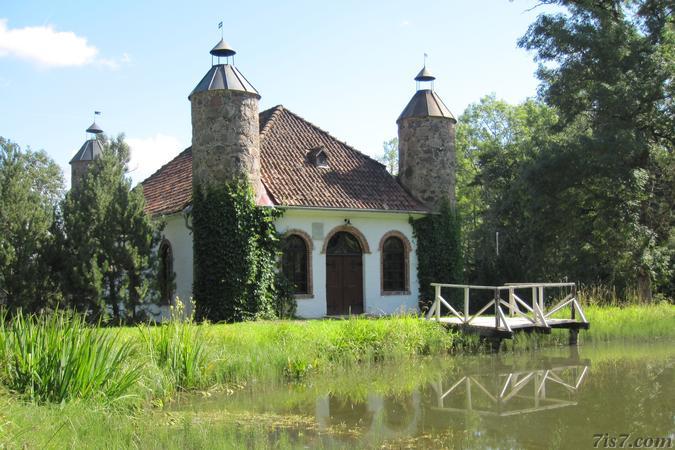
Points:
x=492, y=390
x=555, y=400
x=517, y=392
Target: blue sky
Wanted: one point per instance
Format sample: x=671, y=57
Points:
x=347, y=66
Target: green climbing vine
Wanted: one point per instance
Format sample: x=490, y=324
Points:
x=439, y=251
x=236, y=249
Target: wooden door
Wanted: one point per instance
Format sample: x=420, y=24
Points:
x=344, y=275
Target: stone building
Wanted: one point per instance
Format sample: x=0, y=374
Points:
x=349, y=242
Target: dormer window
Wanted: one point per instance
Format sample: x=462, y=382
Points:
x=318, y=157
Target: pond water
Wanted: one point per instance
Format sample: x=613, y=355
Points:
x=591, y=397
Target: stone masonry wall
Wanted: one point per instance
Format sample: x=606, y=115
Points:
x=78, y=169
x=427, y=161
x=225, y=137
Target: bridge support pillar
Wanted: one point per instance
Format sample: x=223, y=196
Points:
x=574, y=335
x=495, y=343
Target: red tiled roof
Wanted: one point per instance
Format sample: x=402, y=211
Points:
x=291, y=177
x=169, y=190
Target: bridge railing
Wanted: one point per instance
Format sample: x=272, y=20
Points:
x=537, y=312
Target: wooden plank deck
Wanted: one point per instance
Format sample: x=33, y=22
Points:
x=485, y=326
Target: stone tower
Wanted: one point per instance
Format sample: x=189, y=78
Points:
x=225, y=128
x=89, y=151
x=426, y=145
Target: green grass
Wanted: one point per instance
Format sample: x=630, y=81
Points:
x=178, y=348
x=610, y=324
x=291, y=350
x=58, y=358
x=631, y=322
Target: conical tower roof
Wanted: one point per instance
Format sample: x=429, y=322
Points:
x=94, y=129
x=424, y=75
x=426, y=102
x=223, y=49
x=89, y=151
x=92, y=148
x=224, y=76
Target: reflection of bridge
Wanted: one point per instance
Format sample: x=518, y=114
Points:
x=512, y=393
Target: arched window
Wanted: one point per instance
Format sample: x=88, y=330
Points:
x=295, y=264
x=394, y=265
x=166, y=275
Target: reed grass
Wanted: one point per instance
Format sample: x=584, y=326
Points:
x=58, y=357
x=631, y=322
x=178, y=348
x=292, y=350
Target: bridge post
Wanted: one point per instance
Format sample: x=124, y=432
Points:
x=497, y=308
x=574, y=296
x=494, y=342
x=437, y=300
x=466, y=304
x=512, y=304
x=574, y=335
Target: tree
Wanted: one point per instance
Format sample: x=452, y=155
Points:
x=607, y=180
x=108, y=241
x=496, y=142
x=30, y=187
x=390, y=156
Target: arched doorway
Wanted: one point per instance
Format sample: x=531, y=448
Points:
x=344, y=275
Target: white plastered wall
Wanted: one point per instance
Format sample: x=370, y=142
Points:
x=180, y=238
x=318, y=224
x=373, y=225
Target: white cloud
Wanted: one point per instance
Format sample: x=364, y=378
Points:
x=47, y=47
x=150, y=153
x=109, y=63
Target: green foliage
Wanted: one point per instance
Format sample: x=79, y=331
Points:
x=285, y=304
x=236, y=248
x=107, y=242
x=30, y=188
x=439, y=250
x=605, y=184
x=178, y=347
x=495, y=143
x=390, y=156
x=57, y=358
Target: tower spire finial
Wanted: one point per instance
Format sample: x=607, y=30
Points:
x=94, y=128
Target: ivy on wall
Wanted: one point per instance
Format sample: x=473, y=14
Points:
x=439, y=251
x=236, y=249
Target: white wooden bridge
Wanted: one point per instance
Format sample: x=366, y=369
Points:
x=508, y=313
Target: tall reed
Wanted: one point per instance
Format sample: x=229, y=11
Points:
x=179, y=348
x=58, y=357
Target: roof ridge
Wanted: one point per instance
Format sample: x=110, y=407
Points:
x=276, y=110
x=350, y=147
x=156, y=172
